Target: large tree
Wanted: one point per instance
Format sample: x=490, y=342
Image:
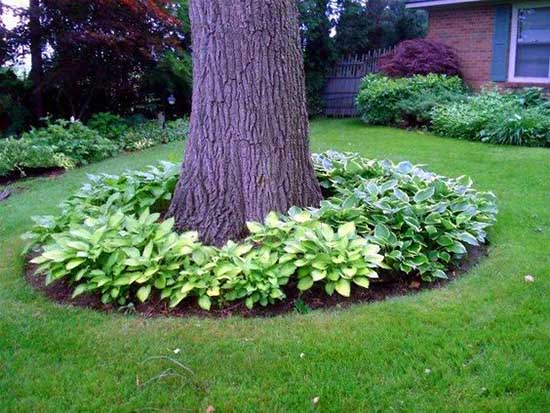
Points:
x=248, y=149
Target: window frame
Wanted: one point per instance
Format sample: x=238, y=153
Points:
x=513, y=45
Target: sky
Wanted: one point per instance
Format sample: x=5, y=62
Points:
x=8, y=18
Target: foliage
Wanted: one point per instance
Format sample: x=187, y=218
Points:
x=14, y=94
x=100, y=52
x=525, y=127
x=151, y=133
x=19, y=155
x=318, y=47
x=499, y=320
x=422, y=221
x=495, y=117
x=375, y=24
x=378, y=215
x=67, y=145
x=108, y=125
x=78, y=143
x=387, y=101
x=420, y=57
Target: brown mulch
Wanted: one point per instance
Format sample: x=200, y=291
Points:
x=15, y=176
x=316, y=298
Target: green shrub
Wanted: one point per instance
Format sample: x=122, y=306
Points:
x=23, y=154
x=74, y=140
x=388, y=101
x=108, y=125
x=525, y=127
x=150, y=134
x=495, y=117
x=377, y=216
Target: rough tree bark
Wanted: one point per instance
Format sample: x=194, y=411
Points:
x=248, y=150
x=37, y=66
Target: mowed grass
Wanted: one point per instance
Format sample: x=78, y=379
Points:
x=481, y=344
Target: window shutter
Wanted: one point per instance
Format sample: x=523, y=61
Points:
x=501, y=43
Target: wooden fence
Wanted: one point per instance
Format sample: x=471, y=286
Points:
x=342, y=84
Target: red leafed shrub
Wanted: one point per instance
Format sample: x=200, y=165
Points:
x=420, y=57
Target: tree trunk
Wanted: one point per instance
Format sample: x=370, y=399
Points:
x=248, y=149
x=37, y=65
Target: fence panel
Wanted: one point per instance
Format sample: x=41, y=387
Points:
x=342, y=84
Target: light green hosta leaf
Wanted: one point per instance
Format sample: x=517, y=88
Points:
x=204, y=302
x=80, y=289
x=72, y=264
x=305, y=283
x=346, y=230
x=326, y=231
x=254, y=227
x=143, y=293
x=55, y=255
x=362, y=282
x=317, y=275
x=343, y=287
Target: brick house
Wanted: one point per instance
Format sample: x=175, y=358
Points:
x=505, y=42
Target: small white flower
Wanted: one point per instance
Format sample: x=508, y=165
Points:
x=529, y=279
x=177, y=351
x=427, y=371
x=315, y=400
x=302, y=355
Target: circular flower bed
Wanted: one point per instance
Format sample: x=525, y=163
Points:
x=379, y=220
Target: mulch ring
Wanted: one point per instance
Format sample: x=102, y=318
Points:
x=316, y=298
x=15, y=176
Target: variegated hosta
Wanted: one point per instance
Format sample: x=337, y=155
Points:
x=422, y=221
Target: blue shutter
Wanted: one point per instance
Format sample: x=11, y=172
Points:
x=501, y=43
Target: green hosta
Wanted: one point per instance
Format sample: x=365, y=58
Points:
x=422, y=221
x=377, y=215
x=335, y=258
x=117, y=255
x=131, y=192
x=320, y=254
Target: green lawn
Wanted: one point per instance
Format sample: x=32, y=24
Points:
x=481, y=344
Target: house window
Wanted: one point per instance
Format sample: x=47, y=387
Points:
x=530, y=45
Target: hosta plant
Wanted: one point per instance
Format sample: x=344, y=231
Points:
x=377, y=215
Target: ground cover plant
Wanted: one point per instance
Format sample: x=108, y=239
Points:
x=70, y=144
x=479, y=344
x=445, y=106
x=376, y=216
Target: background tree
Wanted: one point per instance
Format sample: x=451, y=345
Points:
x=99, y=51
x=374, y=24
x=317, y=22
x=248, y=149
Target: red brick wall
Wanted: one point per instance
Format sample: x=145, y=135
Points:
x=469, y=30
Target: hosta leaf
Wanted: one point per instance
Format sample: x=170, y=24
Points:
x=305, y=283
x=424, y=194
x=343, y=287
x=81, y=288
x=362, y=282
x=204, y=302
x=74, y=263
x=254, y=227
x=346, y=230
x=143, y=293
